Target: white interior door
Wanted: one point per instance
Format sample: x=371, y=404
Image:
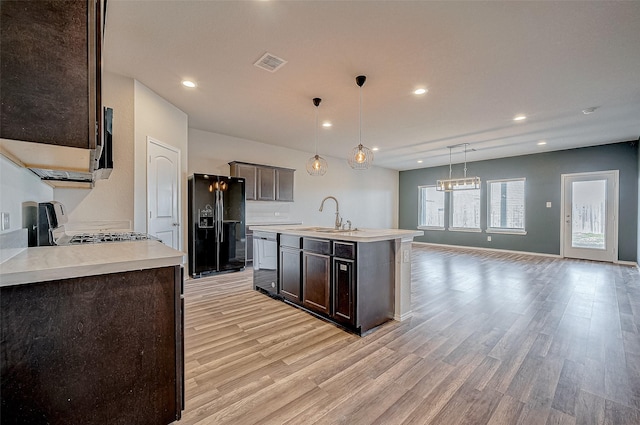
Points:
x=163, y=192
x=590, y=216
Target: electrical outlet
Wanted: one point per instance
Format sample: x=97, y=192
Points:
x=405, y=256
x=5, y=223
x=277, y=214
x=489, y=238
x=548, y=204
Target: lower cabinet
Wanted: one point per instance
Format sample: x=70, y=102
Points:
x=316, y=281
x=351, y=284
x=103, y=349
x=289, y=265
x=343, y=291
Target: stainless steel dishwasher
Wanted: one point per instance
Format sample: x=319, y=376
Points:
x=265, y=263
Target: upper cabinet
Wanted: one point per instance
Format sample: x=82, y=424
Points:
x=265, y=183
x=50, y=75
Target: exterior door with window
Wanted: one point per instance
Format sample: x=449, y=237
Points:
x=590, y=216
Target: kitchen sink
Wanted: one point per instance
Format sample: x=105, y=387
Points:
x=324, y=229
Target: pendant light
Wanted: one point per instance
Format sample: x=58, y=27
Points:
x=361, y=156
x=464, y=183
x=317, y=165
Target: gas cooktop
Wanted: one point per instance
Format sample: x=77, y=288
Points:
x=87, y=238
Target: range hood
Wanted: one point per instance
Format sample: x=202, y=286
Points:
x=64, y=166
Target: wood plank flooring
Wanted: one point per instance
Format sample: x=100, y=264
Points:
x=494, y=339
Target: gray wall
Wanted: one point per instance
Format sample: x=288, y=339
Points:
x=542, y=172
x=638, y=222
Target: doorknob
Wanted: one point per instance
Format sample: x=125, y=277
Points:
x=175, y=224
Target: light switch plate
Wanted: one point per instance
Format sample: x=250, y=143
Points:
x=548, y=204
x=5, y=223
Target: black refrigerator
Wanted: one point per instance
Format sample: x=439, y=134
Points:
x=217, y=240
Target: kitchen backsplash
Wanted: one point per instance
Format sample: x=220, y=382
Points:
x=259, y=212
x=12, y=243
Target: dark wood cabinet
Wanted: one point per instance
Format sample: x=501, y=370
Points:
x=343, y=291
x=290, y=267
x=264, y=182
x=93, y=350
x=284, y=185
x=248, y=173
x=50, y=75
x=316, y=281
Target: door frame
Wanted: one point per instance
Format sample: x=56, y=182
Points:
x=616, y=201
x=176, y=150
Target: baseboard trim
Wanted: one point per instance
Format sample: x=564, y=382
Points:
x=405, y=316
x=478, y=248
x=626, y=263
x=508, y=251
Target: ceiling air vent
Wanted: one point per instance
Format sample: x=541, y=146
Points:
x=270, y=62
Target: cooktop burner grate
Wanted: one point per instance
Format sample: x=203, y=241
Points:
x=87, y=238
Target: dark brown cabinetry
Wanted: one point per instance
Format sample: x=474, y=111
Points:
x=289, y=266
x=100, y=349
x=265, y=183
x=351, y=284
x=316, y=281
x=284, y=185
x=343, y=277
x=248, y=173
x=50, y=75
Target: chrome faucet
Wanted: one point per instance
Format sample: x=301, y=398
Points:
x=338, y=218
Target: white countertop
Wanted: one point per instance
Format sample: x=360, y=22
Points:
x=361, y=235
x=44, y=263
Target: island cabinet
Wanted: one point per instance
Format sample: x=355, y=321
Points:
x=102, y=349
x=289, y=268
x=50, y=75
x=349, y=283
x=316, y=275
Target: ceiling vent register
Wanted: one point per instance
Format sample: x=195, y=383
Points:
x=270, y=62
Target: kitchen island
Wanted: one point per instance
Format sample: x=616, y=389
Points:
x=357, y=279
x=92, y=334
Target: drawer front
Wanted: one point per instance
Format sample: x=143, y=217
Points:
x=318, y=246
x=344, y=250
x=290, y=241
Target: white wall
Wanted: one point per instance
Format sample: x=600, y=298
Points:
x=369, y=198
x=18, y=185
x=110, y=199
x=160, y=120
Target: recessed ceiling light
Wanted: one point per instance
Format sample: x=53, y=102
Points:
x=419, y=161
x=375, y=148
x=326, y=124
x=520, y=117
x=420, y=91
x=589, y=110
x=188, y=83
x=542, y=143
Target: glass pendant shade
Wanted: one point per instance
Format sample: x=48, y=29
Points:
x=361, y=156
x=317, y=165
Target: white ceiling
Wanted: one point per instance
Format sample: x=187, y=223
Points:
x=482, y=62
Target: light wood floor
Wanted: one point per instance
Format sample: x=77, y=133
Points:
x=494, y=339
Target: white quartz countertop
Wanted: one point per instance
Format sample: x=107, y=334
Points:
x=44, y=263
x=360, y=235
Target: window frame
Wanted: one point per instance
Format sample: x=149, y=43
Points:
x=421, y=204
x=451, y=228
x=502, y=230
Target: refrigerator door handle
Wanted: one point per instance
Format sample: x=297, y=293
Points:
x=221, y=217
